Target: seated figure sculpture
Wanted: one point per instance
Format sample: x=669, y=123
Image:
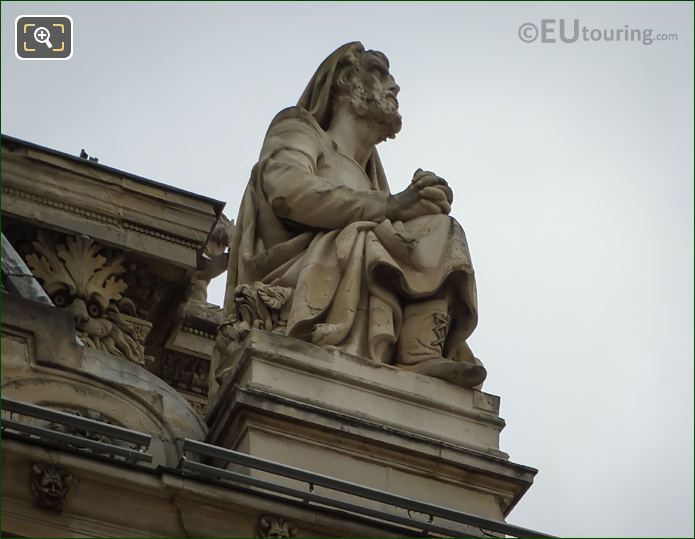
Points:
x=325, y=253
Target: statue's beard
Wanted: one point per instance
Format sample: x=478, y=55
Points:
x=380, y=110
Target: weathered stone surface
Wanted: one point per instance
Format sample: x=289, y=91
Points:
x=215, y=260
x=106, y=500
x=123, y=254
x=17, y=277
x=43, y=364
x=322, y=252
x=341, y=415
x=49, y=485
x=276, y=527
x=383, y=394
x=78, y=277
x=382, y=276
x=63, y=192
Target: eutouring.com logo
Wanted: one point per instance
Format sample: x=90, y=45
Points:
x=572, y=31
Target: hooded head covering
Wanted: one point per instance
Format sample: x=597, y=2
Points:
x=265, y=249
x=316, y=100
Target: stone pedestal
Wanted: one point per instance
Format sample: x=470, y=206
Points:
x=335, y=414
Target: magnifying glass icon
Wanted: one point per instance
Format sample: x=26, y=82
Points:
x=42, y=35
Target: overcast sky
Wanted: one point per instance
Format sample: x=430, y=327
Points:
x=572, y=168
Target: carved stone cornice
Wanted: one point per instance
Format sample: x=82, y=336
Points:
x=98, y=217
x=51, y=189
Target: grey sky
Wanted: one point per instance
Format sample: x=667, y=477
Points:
x=572, y=168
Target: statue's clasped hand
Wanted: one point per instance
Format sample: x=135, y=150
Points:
x=427, y=194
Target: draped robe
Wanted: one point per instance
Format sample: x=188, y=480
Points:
x=313, y=220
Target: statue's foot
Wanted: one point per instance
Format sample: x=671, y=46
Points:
x=460, y=373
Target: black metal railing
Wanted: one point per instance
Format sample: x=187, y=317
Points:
x=431, y=511
x=77, y=433
x=63, y=423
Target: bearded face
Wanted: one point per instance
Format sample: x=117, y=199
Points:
x=371, y=95
x=381, y=109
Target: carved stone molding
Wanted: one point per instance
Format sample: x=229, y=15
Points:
x=49, y=485
x=198, y=332
x=81, y=275
x=276, y=527
x=98, y=217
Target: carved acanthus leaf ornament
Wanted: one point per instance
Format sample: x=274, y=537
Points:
x=77, y=268
x=79, y=274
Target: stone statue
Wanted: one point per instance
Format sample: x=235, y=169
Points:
x=324, y=252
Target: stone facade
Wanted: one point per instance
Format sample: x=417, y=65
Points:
x=105, y=319
x=119, y=253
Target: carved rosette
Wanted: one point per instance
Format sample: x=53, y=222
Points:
x=81, y=275
x=276, y=527
x=49, y=485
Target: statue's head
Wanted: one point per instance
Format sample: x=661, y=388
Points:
x=359, y=81
x=364, y=85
